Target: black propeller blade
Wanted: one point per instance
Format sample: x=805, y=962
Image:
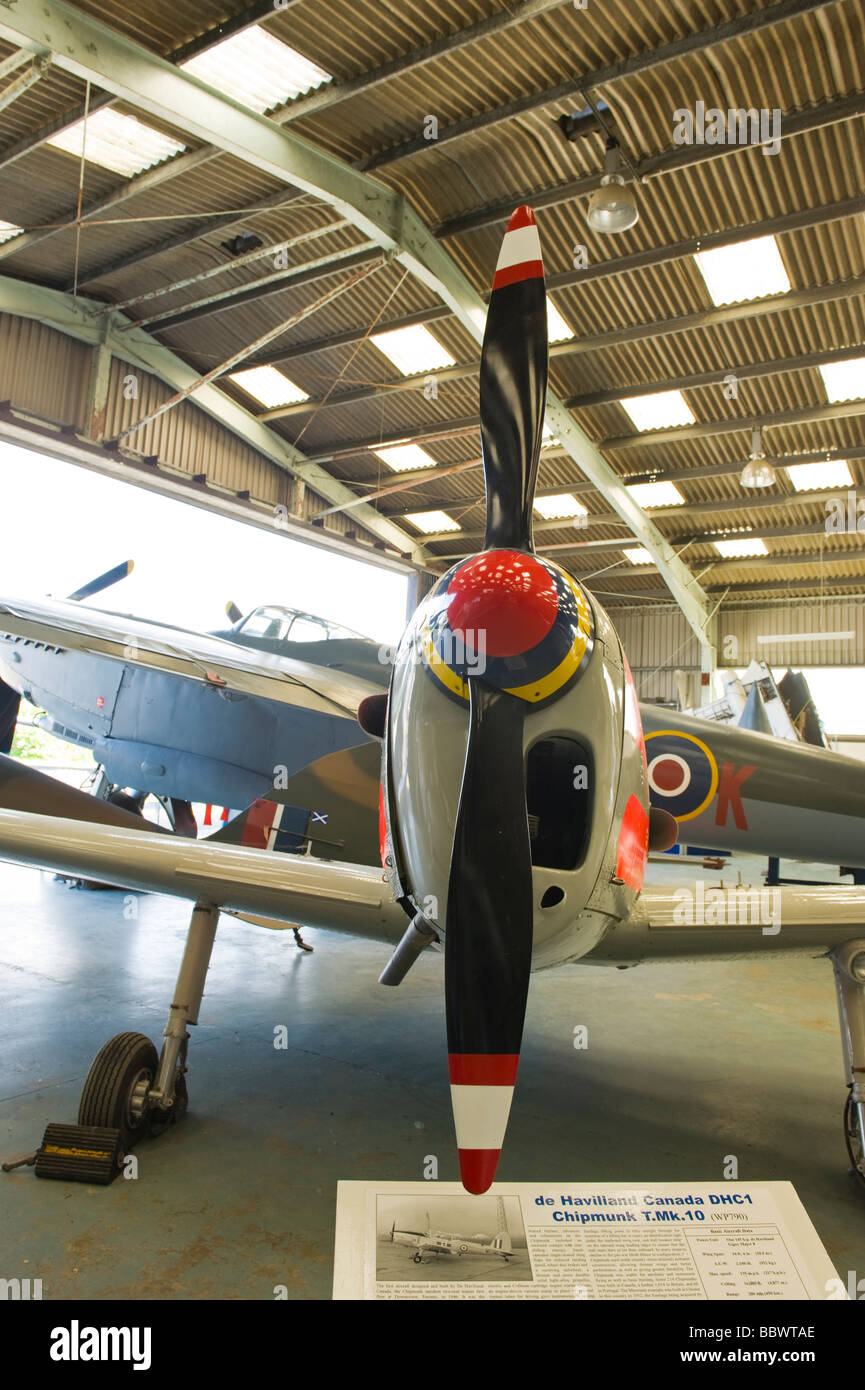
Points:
x=513, y=385
x=501, y=603
x=103, y=581
x=488, y=943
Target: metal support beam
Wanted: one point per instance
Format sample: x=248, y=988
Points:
x=81, y=318
x=693, y=474
x=97, y=386
x=748, y=589
x=749, y=371
x=695, y=381
x=92, y=52
x=253, y=14
x=353, y=335
x=766, y=533
x=620, y=265
x=800, y=220
x=715, y=318
x=602, y=547
x=718, y=506
x=667, y=162
x=335, y=263
x=825, y=557
x=685, y=323
x=706, y=429
x=14, y=62
x=24, y=81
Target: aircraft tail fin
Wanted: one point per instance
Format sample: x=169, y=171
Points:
x=328, y=810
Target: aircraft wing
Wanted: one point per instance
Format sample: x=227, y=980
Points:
x=696, y=920
x=667, y=923
x=288, y=887
x=67, y=626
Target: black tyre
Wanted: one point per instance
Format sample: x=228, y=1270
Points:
x=121, y=1072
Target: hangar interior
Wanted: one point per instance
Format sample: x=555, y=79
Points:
x=246, y=258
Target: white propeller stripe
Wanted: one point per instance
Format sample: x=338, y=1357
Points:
x=521, y=245
x=481, y=1115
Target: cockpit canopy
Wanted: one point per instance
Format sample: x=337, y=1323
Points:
x=290, y=625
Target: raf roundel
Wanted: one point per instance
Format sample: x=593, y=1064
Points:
x=521, y=623
x=683, y=774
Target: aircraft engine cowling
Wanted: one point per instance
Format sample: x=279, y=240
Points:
x=583, y=762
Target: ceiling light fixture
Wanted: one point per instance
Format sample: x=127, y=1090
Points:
x=613, y=206
x=757, y=472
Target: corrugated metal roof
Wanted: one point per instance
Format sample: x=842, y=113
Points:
x=802, y=64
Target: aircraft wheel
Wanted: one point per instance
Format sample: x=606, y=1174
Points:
x=416, y=1259
x=158, y=1120
x=853, y=1139
x=115, y=1092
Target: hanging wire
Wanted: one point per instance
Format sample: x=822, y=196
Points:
x=338, y=378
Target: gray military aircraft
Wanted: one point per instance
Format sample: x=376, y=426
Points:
x=217, y=717
x=183, y=715
x=507, y=791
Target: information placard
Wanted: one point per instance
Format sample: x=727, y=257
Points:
x=661, y=1241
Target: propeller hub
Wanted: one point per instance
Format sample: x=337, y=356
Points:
x=502, y=603
x=519, y=623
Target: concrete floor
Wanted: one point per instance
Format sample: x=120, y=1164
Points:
x=685, y=1065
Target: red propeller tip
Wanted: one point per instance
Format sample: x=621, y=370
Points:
x=523, y=217
x=478, y=1169
x=520, y=256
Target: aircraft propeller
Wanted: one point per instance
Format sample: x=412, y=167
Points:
x=509, y=637
x=504, y=602
x=103, y=581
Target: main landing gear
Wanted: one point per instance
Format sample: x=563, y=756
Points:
x=128, y=1087
x=849, y=965
x=131, y=1090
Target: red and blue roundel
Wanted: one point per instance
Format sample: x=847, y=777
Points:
x=520, y=623
x=683, y=774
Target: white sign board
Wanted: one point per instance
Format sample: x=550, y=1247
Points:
x=676, y=1241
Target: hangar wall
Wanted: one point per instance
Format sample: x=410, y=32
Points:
x=46, y=374
x=657, y=636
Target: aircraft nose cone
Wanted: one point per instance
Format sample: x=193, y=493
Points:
x=502, y=603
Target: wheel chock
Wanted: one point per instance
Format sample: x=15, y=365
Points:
x=80, y=1153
